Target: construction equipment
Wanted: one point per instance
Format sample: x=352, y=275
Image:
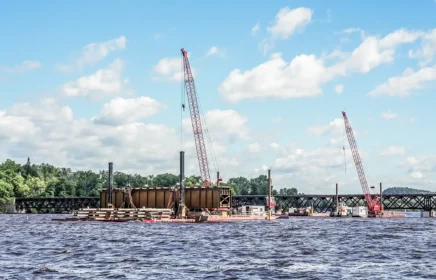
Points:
x=373, y=203
x=196, y=120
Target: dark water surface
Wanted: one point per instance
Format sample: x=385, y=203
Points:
x=34, y=247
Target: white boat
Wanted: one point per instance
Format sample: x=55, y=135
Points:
x=344, y=210
x=360, y=211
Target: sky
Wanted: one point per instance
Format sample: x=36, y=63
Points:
x=84, y=83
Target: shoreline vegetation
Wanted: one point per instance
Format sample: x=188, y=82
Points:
x=45, y=180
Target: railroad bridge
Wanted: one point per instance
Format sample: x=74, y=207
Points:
x=320, y=203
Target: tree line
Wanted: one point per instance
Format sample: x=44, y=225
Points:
x=45, y=180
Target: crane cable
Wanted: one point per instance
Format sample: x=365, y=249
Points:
x=343, y=148
x=365, y=169
x=182, y=97
x=206, y=130
x=202, y=118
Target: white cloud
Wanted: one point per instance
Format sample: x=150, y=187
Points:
x=170, y=69
x=420, y=164
x=339, y=88
x=47, y=132
x=104, y=82
x=416, y=175
x=306, y=74
x=275, y=78
x=277, y=120
x=313, y=168
x=64, y=68
x=95, y=52
x=255, y=29
x=15, y=128
x=274, y=145
x=158, y=36
x=263, y=169
x=389, y=115
x=44, y=112
x=412, y=120
x=121, y=111
x=407, y=82
x=352, y=30
x=223, y=125
x=254, y=148
x=420, y=168
x=25, y=66
x=288, y=21
x=224, y=128
x=334, y=127
x=427, y=51
x=393, y=151
x=216, y=51
x=91, y=54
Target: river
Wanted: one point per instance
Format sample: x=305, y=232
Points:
x=34, y=247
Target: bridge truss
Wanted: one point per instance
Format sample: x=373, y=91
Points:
x=55, y=204
x=320, y=203
x=327, y=203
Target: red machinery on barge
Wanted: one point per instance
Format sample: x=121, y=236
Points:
x=375, y=204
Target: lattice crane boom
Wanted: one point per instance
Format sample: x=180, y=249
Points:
x=373, y=205
x=196, y=120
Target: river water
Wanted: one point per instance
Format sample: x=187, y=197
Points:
x=35, y=247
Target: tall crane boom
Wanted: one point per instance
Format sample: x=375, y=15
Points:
x=196, y=120
x=373, y=205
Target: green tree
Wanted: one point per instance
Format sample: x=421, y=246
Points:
x=138, y=181
x=37, y=187
x=193, y=181
x=259, y=185
x=240, y=186
x=165, y=180
x=6, y=190
x=286, y=191
x=87, y=183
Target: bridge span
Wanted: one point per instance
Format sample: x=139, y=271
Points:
x=320, y=203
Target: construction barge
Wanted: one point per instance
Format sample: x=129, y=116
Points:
x=177, y=204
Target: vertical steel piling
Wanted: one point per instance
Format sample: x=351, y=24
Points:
x=381, y=197
x=337, y=199
x=182, y=185
x=110, y=184
x=269, y=194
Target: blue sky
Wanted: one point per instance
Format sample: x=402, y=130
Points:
x=86, y=82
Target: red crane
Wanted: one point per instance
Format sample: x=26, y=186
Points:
x=373, y=203
x=196, y=120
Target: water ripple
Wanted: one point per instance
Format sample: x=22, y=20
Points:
x=298, y=248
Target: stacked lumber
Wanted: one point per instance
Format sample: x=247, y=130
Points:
x=122, y=213
x=158, y=214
